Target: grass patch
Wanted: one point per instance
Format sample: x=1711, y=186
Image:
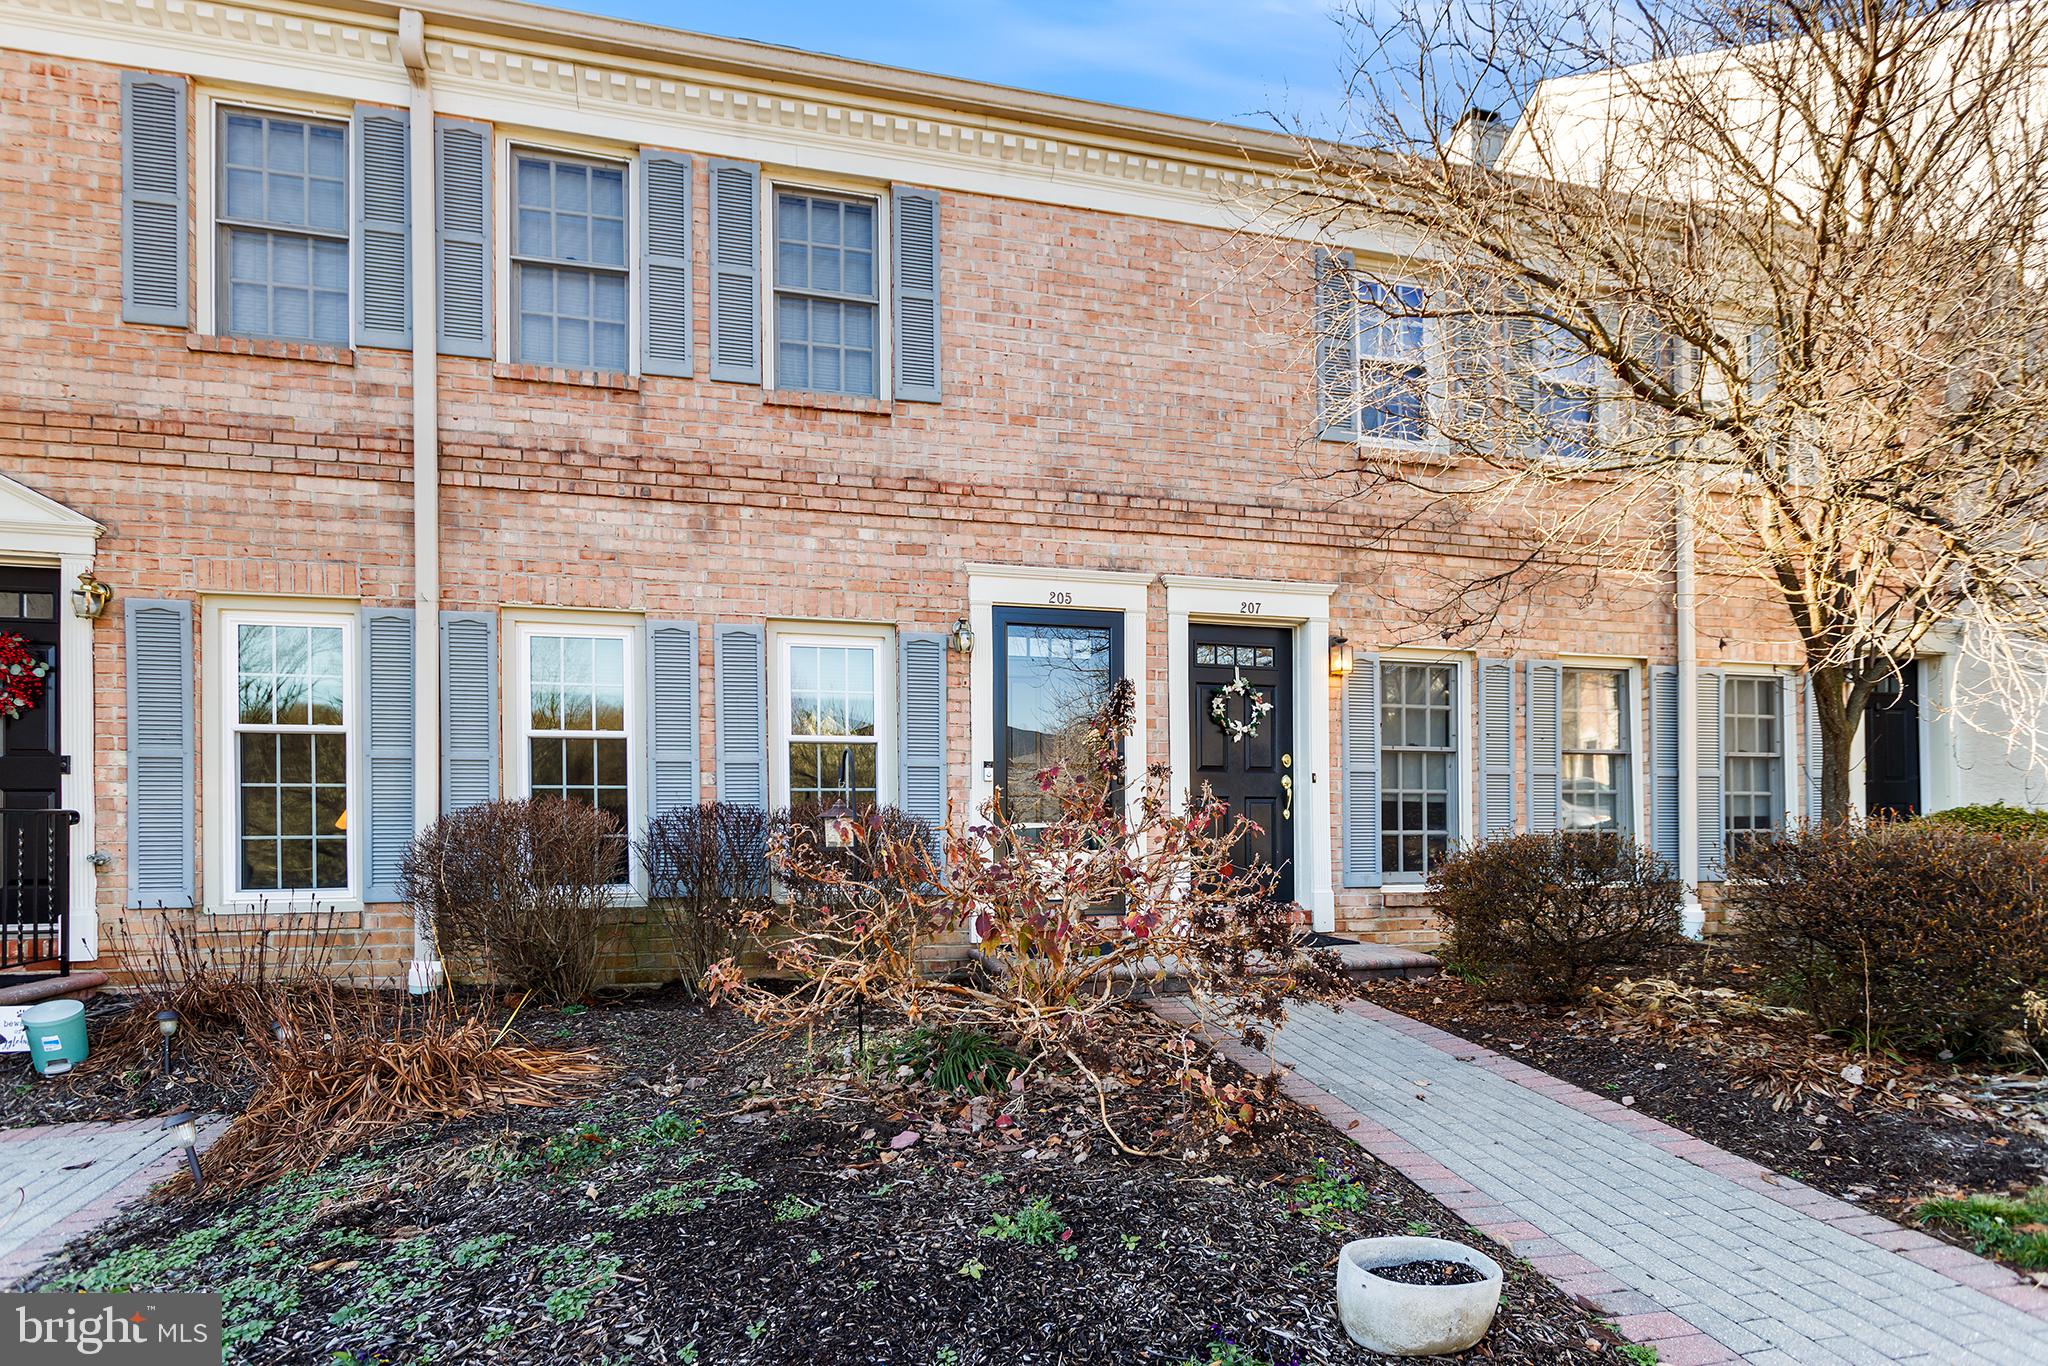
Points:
x=1328, y=1193
x=2015, y=1231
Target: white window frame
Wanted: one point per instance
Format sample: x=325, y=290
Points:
x=518, y=716
x=1435, y=360
x=1464, y=736
x=223, y=806
x=1777, y=685
x=206, y=189
x=1632, y=730
x=882, y=640
x=885, y=336
x=504, y=207
x=1540, y=369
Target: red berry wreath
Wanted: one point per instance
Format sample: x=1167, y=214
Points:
x=21, y=677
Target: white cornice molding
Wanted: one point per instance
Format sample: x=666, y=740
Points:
x=546, y=88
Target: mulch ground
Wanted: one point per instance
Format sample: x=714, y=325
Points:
x=133, y=1086
x=1890, y=1133
x=724, y=1201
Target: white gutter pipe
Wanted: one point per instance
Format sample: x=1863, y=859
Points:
x=425, y=972
x=1692, y=916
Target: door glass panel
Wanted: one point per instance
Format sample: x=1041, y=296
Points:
x=1056, y=675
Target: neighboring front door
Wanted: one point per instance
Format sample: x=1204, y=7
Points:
x=1054, y=671
x=31, y=777
x=1242, y=735
x=1891, y=746
x=31, y=756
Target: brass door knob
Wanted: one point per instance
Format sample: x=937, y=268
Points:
x=1287, y=786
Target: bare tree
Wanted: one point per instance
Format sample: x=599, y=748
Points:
x=1768, y=272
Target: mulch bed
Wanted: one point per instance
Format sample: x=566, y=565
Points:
x=1770, y=1091
x=719, y=1197
x=133, y=1087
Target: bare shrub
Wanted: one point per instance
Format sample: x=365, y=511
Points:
x=1068, y=916
x=707, y=868
x=519, y=893
x=1541, y=915
x=1917, y=935
x=233, y=981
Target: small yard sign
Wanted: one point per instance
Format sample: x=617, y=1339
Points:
x=13, y=1033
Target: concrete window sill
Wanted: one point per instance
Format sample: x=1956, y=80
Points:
x=556, y=374
x=828, y=403
x=275, y=350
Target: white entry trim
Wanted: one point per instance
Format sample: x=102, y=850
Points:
x=39, y=531
x=990, y=586
x=1267, y=602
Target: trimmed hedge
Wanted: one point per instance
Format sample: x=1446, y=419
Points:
x=1920, y=935
x=1540, y=916
x=1996, y=818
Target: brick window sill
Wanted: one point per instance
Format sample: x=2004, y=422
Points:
x=557, y=374
x=828, y=403
x=274, y=350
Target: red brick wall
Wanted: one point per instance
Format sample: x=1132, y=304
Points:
x=1119, y=393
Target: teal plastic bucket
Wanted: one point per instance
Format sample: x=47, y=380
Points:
x=56, y=1034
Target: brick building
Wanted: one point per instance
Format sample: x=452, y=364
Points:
x=485, y=400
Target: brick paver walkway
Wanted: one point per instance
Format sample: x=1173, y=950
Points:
x=1704, y=1255
x=59, y=1181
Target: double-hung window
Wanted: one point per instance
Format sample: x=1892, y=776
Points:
x=1564, y=394
x=1394, y=345
x=1594, y=731
x=833, y=719
x=1418, y=766
x=569, y=273
x=576, y=709
x=827, y=294
x=282, y=220
x=1753, y=758
x=290, y=727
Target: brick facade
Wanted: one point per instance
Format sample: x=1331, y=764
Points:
x=1122, y=392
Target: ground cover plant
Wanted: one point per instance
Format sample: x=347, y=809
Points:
x=726, y=1199
x=2011, y=1228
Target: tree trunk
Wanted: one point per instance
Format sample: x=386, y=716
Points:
x=1838, y=724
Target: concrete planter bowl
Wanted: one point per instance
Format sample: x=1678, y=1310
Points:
x=1414, y=1320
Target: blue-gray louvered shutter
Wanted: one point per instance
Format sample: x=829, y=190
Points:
x=155, y=261
x=160, y=818
x=671, y=716
x=1496, y=748
x=383, y=274
x=664, y=263
x=462, y=248
x=1664, y=764
x=469, y=709
x=1359, y=715
x=1336, y=346
x=921, y=692
x=740, y=711
x=1546, y=739
x=1812, y=749
x=1788, y=747
x=915, y=279
x=387, y=731
x=736, y=272
x=1713, y=828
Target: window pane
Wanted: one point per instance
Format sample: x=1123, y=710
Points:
x=1055, y=678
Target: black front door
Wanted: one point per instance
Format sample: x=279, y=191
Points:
x=1242, y=735
x=31, y=754
x=1891, y=746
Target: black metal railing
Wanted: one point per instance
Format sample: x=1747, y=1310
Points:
x=35, y=890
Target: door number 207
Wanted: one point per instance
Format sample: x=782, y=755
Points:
x=1250, y=609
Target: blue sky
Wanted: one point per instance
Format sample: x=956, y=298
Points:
x=1235, y=61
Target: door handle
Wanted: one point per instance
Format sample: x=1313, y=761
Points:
x=1287, y=786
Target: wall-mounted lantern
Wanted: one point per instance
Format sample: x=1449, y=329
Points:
x=89, y=600
x=963, y=638
x=1340, y=656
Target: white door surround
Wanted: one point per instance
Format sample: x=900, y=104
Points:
x=990, y=586
x=1304, y=607
x=39, y=531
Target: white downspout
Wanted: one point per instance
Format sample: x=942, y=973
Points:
x=1692, y=916
x=425, y=973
